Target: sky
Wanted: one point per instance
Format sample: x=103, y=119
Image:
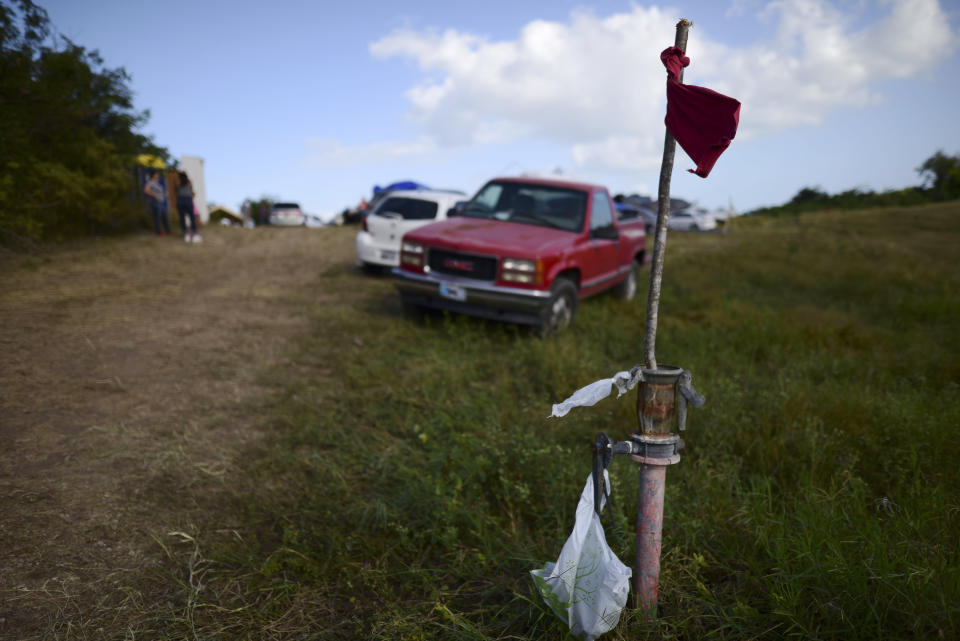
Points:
x=318, y=101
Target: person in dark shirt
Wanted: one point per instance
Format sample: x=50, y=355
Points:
x=155, y=196
x=188, y=220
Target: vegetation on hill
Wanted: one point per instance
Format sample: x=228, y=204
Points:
x=258, y=205
x=68, y=135
x=940, y=181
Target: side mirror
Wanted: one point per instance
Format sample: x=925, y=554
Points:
x=457, y=207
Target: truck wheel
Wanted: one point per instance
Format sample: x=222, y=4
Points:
x=628, y=288
x=560, y=310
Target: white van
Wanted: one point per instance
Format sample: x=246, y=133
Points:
x=378, y=241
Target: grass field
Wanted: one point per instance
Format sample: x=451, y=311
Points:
x=408, y=495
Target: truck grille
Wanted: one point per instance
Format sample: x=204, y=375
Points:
x=465, y=265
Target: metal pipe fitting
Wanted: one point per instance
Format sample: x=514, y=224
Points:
x=656, y=449
x=657, y=400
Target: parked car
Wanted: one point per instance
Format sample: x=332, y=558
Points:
x=645, y=207
x=355, y=215
x=708, y=220
x=691, y=219
x=379, y=193
x=314, y=220
x=523, y=250
x=288, y=214
x=628, y=212
x=378, y=241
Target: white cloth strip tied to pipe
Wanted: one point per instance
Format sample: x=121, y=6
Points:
x=598, y=390
x=624, y=382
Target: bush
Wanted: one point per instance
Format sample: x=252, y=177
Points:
x=941, y=181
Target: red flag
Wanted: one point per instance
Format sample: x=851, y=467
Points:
x=700, y=119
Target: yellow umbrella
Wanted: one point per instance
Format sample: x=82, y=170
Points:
x=149, y=160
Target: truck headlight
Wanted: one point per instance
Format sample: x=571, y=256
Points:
x=518, y=265
x=520, y=270
x=411, y=254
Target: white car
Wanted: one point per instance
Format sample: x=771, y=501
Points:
x=314, y=220
x=288, y=214
x=378, y=241
x=691, y=219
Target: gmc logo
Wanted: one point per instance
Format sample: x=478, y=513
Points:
x=462, y=265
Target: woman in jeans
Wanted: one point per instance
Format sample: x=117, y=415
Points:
x=154, y=191
x=185, y=209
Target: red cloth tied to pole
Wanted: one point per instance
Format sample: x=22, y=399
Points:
x=700, y=119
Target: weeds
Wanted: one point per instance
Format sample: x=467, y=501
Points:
x=420, y=490
x=408, y=495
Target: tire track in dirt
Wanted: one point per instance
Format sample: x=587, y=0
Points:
x=127, y=364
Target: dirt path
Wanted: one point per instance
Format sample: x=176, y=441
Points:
x=125, y=367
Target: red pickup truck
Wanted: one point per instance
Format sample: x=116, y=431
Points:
x=524, y=251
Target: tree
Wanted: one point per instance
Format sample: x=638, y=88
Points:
x=940, y=174
x=809, y=195
x=259, y=206
x=68, y=134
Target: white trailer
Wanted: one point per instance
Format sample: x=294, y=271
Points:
x=193, y=165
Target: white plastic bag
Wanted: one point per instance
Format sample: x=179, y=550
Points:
x=587, y=587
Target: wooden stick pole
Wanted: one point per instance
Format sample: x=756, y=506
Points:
x=660, y=235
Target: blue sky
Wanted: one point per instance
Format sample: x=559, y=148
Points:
x=318, y=101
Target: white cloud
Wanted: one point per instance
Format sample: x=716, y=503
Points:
x=559, y=81
x=628, y=153
x=326, y=153
x=818, y=63
x=596, y=83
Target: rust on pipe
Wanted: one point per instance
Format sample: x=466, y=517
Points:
x=657, y=400
x=649, y=533
x=657, y=408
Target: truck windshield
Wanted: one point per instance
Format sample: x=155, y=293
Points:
x=530, y=204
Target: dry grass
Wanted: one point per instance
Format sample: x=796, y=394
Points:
x=129, y=369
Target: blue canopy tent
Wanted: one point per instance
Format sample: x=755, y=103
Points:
x=379, y=192
x=403, y=184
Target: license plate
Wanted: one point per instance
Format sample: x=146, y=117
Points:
x=388, y=255
x=453, y=292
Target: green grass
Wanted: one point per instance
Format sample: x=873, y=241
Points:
x=818, y=497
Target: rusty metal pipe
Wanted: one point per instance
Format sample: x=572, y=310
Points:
x=658, y=447
x=649, y=535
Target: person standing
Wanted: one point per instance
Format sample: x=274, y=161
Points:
x=196, y=221
x=156, y=198
x=188, y=220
